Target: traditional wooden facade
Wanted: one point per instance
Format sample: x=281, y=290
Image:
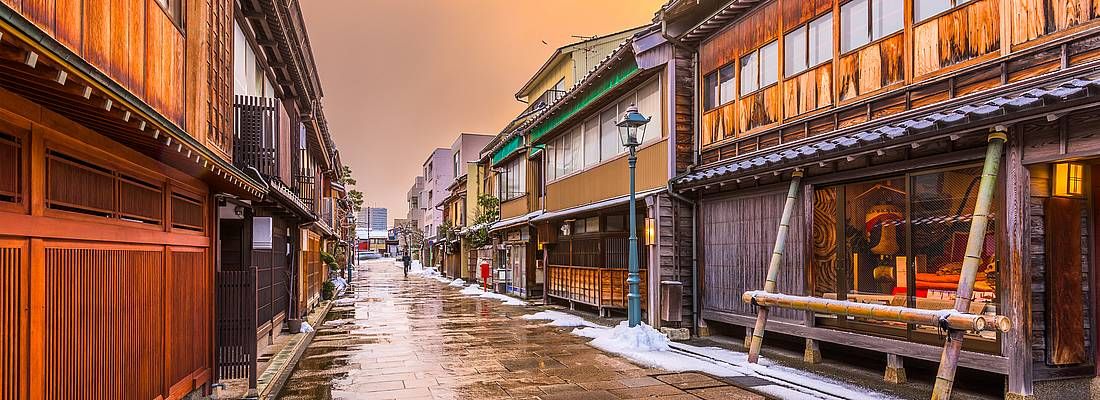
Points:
x=885, y=106
x=117, y=150
x=114, y=154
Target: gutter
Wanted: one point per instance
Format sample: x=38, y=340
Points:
x=695, y=318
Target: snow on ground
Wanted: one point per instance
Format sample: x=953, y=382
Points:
x=558, y=318
x=646, y=346
x=458, y=282
x=306, y=327
x=340, y=283
x=344, y=302
x=474, y=290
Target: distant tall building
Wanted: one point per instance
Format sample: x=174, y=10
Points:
x=377, y=218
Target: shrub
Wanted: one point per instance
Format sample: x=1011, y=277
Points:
x=328, y=290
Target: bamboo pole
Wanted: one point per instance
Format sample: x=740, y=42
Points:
x=951, y=319
x=773, y=266
x=945, y=377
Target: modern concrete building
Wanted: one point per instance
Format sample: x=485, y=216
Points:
x=416, y=206
x=438, y=171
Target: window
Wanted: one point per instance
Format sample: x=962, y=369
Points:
x=457, y=170
x=864, y=21
x=174, y=10
x=924, y=9
x=901, y=242
x=719, y=87
x=808, y=45
x=610, y=145
x=760, y=68
x=591, y=142
x=512, y=180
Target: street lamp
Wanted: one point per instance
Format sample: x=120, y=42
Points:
x=632, y=133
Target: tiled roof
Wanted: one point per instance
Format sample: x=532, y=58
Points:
x=969, y=113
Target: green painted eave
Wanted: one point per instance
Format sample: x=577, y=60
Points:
x=509, y=147
x=598, y=90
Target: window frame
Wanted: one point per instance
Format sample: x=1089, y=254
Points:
x=175, y=11
x=955, y=4
x=758, y=54
x=869, y=24
x=808, y=37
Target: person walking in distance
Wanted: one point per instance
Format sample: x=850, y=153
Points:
x=405, y=259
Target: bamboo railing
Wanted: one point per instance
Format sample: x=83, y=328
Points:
x=957, y=321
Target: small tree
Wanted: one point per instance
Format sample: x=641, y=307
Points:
x=487, y=212
x=355, y=197
x=409, y=237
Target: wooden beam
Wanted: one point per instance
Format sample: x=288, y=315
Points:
x=1016, y=344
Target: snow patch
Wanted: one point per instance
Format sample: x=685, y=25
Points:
x=474, y=290
x=558, y=318
x=648, y=347
x=344, y=301
x=306, y=328
x=457, y=283
x=338, y=322
x=340, y=283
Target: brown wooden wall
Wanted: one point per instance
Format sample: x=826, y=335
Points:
x=738, y=235
x=88, y=269
x=928, y=61
x=611, y=179
x=132, y=41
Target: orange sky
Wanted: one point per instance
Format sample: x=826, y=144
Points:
x=402, y=77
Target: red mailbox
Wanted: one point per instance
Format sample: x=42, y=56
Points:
x=485, y=275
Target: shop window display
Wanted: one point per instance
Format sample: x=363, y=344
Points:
x=903, y=244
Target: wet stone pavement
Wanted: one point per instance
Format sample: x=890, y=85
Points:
x=416, y=338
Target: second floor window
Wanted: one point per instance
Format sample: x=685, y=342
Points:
x=865, y=21
x=174, y=10
x=457, y=157
x=808, y=45
x=719, y=87
x=512, y=180
x=760, y=68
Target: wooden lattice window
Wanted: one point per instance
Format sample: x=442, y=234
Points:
x=11, y=169
x=187, y=212
x=220, y=73
x=79, y=186
x=140, y=201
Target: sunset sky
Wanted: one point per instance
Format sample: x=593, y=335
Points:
x=403, y=77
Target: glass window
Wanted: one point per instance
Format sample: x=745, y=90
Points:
x=887, y=17
x=726, y=84
x=924, y=9
x=750, y=79
x=614, y=223
x=649, y=104
x=710, y=90
x=854, y=26
x=808, y=46
x=769, y=64
x=592, y=224
x=821, y=39
x=577, y=137
x=551, y=160
x=901, y=241
x=567, y=154
x=609, y=134
x=591, y=141
x=794, y=52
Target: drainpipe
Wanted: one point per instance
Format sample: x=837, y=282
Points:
x=694, y=259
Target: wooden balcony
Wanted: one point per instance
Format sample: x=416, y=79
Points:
x=257, y=127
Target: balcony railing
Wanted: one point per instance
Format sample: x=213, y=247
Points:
x=544, y=100
x=256, y=123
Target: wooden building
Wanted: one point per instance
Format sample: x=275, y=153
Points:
x=885, y=105
x=119, y=162
x=563, y=180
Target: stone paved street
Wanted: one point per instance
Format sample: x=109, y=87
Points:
x=417, y=338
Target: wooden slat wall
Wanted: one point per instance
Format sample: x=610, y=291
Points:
x=738, y=237
x=132, y=41
x=189, y=317
x=13, y=319
x=103, y=322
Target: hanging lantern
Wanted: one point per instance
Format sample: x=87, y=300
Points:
x=650, y=232
x=1069, y=180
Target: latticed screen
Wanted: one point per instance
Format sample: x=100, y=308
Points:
x=186, y=212
x=11, y=170
x=12, y=336
x=78, y=186
x=140, y=201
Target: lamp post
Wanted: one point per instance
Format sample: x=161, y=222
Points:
x=632, y=132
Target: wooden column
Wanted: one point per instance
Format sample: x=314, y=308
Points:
x=1016, y=270
x=812, y=355
x=895, y=369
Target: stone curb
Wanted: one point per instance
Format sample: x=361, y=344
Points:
x=278, y=379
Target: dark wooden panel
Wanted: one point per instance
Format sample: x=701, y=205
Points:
x=738, y=237
x=1065, y=312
